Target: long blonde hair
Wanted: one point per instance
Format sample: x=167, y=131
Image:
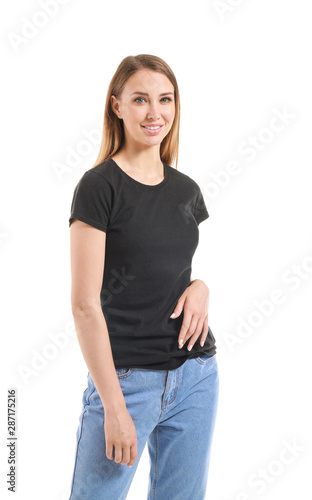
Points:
x=113, y=133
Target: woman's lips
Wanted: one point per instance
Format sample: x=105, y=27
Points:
x=153, y=131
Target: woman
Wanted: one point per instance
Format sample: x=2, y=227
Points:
x=134, y=229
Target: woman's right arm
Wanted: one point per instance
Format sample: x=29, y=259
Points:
x=87, y=255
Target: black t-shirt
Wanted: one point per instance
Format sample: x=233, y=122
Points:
x=151, y=236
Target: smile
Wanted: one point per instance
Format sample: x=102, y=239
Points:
x=152, y=130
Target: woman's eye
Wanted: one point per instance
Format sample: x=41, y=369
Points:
x=140, y=98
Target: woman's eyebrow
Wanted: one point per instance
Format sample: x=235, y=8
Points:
x=144, y=93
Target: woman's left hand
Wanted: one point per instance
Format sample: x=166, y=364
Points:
x=195, y=302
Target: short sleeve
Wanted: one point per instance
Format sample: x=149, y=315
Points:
x=92, y=201
x=200, y=209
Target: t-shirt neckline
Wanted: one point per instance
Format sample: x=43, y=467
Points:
x=149, y=186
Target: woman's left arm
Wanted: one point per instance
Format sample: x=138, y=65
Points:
x=195, y=302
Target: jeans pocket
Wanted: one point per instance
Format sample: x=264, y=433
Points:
x=123, y=372
x=88, y=391
x=205, y=358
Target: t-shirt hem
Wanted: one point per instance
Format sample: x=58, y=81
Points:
x=168, y=365
x=91, y=222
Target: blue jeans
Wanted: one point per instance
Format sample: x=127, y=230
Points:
x=174, y=412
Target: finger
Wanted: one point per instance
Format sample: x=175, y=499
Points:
x=176, y=312
x=125, y=455
x=109, y=451
x=193, y=327
x=205, y=331
x=178, y=308
x=184, y=328
x=195, y=335
x=133, y=454
x=118, y=454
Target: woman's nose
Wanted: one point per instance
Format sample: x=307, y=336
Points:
x=153, y=112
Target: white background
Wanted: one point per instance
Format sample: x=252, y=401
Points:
x=237, y=63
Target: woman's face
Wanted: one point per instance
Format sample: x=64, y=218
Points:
x=147, y=99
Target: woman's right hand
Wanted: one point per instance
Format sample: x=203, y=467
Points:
x=120, y=433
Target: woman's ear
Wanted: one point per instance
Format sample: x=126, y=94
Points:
x=115, y=105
